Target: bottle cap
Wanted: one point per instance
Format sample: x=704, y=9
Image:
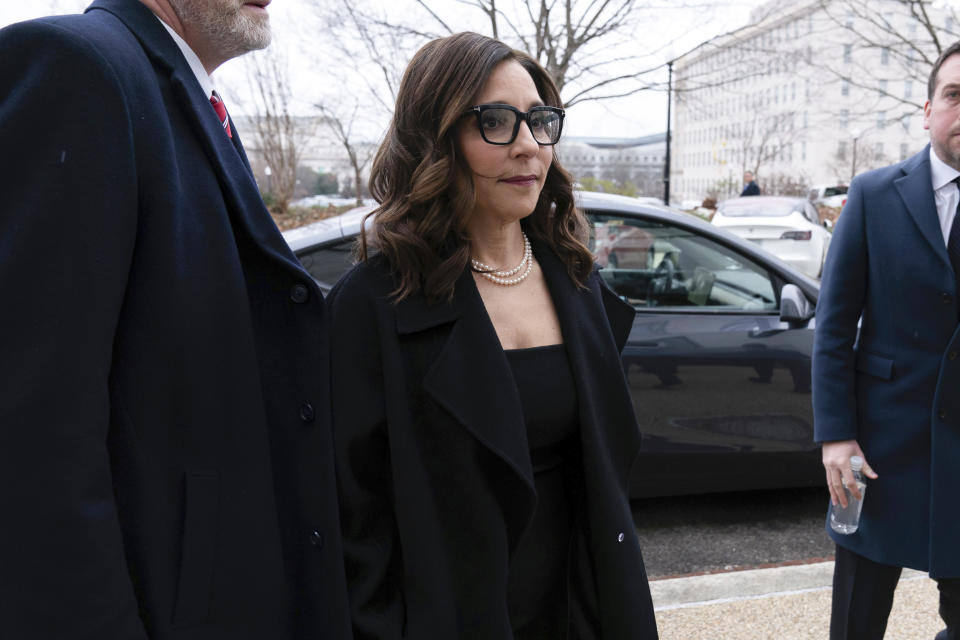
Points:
x=856, y=463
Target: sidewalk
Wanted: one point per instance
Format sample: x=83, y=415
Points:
x=789, y=603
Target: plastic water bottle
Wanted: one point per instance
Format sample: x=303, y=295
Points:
x=846, y=519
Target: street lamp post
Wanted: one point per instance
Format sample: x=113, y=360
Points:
x=853, y=168
x=268, y=172
x=666, y=166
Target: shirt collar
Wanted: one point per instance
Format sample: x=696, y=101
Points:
x=192, y=59
x=941, y=173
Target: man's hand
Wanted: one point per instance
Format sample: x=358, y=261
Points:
x=836, y=461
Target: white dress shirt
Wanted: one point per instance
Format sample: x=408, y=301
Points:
x=945, y=192
x=192, y=59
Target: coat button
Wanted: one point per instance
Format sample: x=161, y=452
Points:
x=947, y=298
x=942, y=414
x=620, y=537
x=307, y=413
x=316, y=539
x=299, y=293
x=952, y=355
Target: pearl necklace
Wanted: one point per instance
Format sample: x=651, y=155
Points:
x=504, y=277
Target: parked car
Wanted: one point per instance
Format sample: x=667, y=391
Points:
x=789, y=228
x=718, y=360
x=829, y=196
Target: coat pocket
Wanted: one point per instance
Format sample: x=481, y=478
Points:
x=201, y=495
x=874, y=365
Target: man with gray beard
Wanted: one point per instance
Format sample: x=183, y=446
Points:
x=165, y=458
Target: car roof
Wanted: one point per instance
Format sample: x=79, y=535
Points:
x=332, y=228
x=760, y=200
x=610, y=202
x=348, y=224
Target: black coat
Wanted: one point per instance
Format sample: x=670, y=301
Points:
x=434, y=472
x=750, y=189
x=162, y=473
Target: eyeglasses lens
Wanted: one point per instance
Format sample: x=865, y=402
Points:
x=545, y=126
x=498, y=125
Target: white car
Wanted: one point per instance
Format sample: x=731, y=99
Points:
x=829, y=196
x=789, y=228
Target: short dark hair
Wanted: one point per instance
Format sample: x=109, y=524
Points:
x=953, y=49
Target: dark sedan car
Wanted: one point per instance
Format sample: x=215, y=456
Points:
x=718, y=361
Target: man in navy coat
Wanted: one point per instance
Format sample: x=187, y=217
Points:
x=750, y=187
x=891, y=392
x=165, y=461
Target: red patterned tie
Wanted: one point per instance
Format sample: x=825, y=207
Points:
x=221, y=110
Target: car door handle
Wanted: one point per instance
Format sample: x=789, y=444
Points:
x=764, y=333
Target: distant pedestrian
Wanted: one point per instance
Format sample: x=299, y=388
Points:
x=483, y=426
x=750, y=187
x=886, y=373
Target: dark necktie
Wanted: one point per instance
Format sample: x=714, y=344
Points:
x=221, y=110
x=953, y=242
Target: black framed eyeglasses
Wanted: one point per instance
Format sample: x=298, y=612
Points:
x=500, y=123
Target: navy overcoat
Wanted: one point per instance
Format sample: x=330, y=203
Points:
x=896, y=388
x=165, y=461
x=434, y=470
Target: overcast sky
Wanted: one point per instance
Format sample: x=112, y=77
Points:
x=636, y=116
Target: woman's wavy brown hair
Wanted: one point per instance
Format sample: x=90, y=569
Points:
x=424, y=186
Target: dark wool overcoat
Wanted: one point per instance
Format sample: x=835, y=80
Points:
x=896, y=387
x=165, y=459
x=434, y=472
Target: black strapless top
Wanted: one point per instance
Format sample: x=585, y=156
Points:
x=537, y=586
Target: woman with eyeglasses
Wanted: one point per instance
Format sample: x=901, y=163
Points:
x=484, y=430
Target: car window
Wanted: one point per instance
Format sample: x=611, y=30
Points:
x=656, y=265
x=811, y=213
x=834, y=191
x=327, y=262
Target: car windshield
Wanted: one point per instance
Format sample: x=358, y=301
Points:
x=750, y=207
x=834, y=191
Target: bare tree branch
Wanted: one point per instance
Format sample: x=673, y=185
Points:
x=433, y=15
x=279, y=135
x=563, y=35
x=858, y=22
x=358, y=153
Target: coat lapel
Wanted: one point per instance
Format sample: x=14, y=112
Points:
x=610, y=568
x=592, y=337
x=227, y=160
x=915, y=190
x=470, y=377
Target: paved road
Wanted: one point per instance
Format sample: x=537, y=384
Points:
x=693, y=534
x=719, y=539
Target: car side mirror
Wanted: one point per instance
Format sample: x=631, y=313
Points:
x=794, y=306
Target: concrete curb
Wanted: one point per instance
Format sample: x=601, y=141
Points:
x=699, y=590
